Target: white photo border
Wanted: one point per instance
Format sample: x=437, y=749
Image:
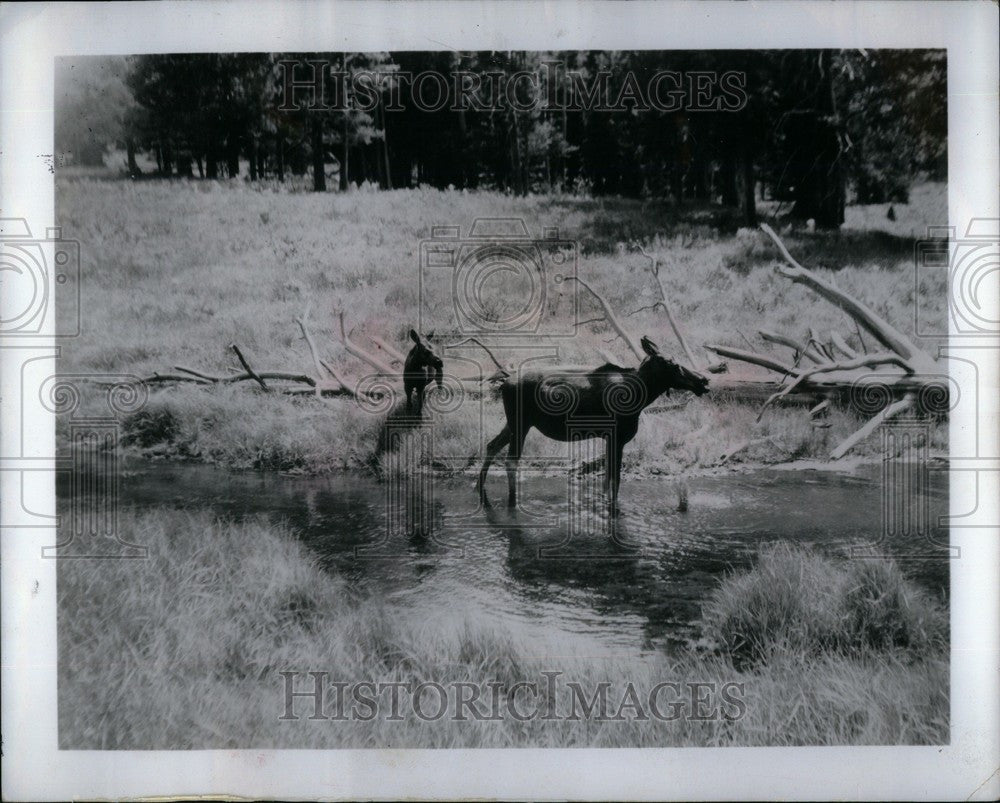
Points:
x=33, y=35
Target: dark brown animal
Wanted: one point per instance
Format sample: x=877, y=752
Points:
x=422, y=367
x=570, y=404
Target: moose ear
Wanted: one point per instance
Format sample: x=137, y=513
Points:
x=414, y=336
x=649, y=347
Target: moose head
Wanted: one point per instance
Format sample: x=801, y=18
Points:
x=422, y=367
x=663, y=373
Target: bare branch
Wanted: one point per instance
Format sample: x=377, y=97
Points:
x=880, y=329
x=379, y=365
x=392, y=351
x=754, y=358
x=481, y=345
x=819, y=408
x=337, y=377
x=798, y=348
x=841, y=344
x=666, y=307
x=866, y=361
x=891, y=411
x=612, y=319
x=861, y=340
x=311, y=343
x=206, y=379
x=197, y=374
x=246, y=366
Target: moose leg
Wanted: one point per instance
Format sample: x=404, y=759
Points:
x=513, y=456
x=613, y=475
x=492, y=448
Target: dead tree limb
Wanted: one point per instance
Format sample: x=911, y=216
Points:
x=891, y=411
x=874, y=324
x=337, y=378
x=755, y=359
x=379, y=365
x=317, y=363
x=196, y=373
x=655, y=268
x=392, y=351
x=206, y=379
x=483, y=346
x=611, y=318
x=914, y=369
x=799, y=348
x=247, y=368
x=866, y=361
x=841, y=344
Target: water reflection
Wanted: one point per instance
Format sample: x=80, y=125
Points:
x=538, y=565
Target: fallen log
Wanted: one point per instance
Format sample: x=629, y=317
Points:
x=913, y=375
x=755, y=359
x=870, y=321
x=246, y=367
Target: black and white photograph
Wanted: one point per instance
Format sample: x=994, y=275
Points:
x=452, y=397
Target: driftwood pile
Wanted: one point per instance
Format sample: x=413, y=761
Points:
x=886, y=383
x=326, y=380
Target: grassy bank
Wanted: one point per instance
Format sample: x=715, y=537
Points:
x=173, y=272
x=184, y=650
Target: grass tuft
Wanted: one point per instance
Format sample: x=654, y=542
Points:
x=185, y=650
x=795, y=600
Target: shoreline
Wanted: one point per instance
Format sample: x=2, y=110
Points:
x=848, y=466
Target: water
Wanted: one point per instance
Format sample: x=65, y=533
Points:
x=536, y=572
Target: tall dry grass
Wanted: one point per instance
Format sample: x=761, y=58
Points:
x=184, y=650
x=175, y=271
x=795, y=601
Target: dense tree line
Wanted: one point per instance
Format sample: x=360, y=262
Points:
x=801, y=126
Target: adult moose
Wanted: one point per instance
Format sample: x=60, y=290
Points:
x=569, y=404
x=422, y=367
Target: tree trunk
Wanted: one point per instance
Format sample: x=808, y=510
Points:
x=184, y=167
x=168, y=160
x=318, y=155
x=819, y=180
x=133, y=168
x=515, y=155
x=281, y=157
x=385, y=148
x=211, y=161
x=747, y=186
x=819, y=191
x=346, y=151
x=233, y=157
x=729, y=180
x=201, y=166
x=252, y=159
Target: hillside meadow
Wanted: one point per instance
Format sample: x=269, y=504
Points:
x=176, y=271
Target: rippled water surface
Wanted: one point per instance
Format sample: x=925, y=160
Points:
x=535, y=570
